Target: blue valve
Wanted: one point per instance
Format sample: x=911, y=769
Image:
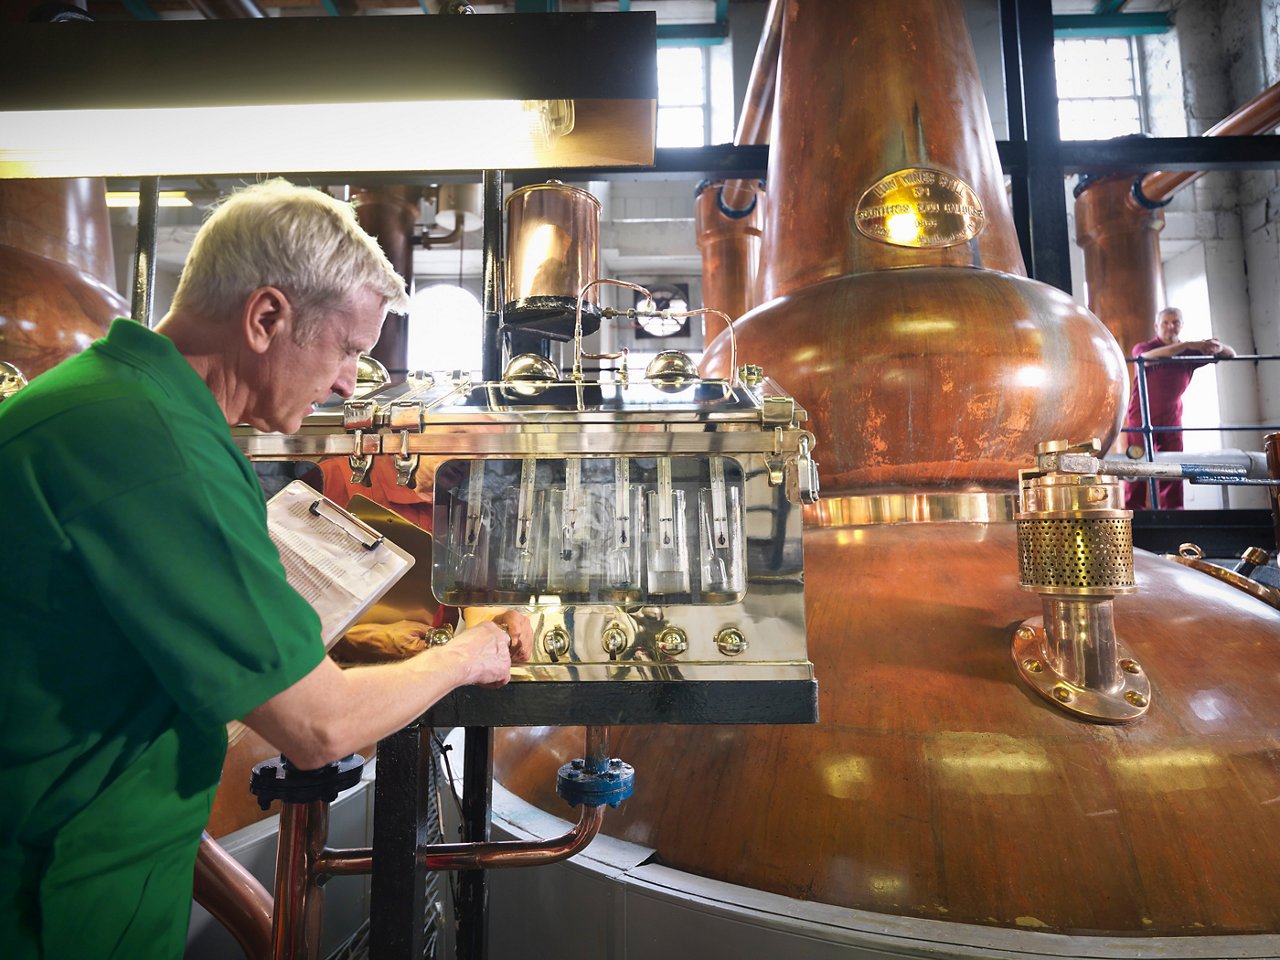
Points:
x=578, y=783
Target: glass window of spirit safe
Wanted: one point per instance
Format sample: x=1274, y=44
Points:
x=625, y=530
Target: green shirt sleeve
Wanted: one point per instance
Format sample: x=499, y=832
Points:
x=179, y=554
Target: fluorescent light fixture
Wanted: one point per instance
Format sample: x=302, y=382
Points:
x=129, y=198
x=332, y=94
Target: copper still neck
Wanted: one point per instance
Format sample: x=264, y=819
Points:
x=861, y=94
x=897, y=305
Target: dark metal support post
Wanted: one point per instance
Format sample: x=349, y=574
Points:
x=1050, y=257
x=1020, y=198
x=491, y=345
x=144, y=256
x=472, y=907
x=1148, y=437
x=398, y=887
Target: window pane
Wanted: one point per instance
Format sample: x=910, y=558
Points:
x=681, y=127
x=680, y=77
x=1097, y=89
x=721, y=97
x=1094, y=68
x=1098, y=119
x=445, y=329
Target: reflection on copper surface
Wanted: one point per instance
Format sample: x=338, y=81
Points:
x=552, y=242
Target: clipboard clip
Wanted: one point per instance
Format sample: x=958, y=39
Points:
x=362, y=533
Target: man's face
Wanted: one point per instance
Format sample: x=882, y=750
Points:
x=298, y=376
x=1169, y=326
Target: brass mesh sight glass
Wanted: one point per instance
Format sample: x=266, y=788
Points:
x=1075, y=548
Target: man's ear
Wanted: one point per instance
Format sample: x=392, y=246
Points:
x=267, y=315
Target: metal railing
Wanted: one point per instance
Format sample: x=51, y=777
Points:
x=1147, y=431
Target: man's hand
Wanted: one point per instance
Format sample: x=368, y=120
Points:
x=520, y=631
x=486, y=651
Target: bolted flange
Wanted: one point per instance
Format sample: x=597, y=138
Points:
x=1126, y=699
x=578, y=784
x=278, y=779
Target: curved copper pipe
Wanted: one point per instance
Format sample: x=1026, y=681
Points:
x=1259, y=115
x=514, y=853
x=234, y=897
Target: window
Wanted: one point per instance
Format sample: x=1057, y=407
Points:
x=682, y=97
x=445, y=329
x=1099, y=92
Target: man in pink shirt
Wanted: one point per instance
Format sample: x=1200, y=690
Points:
x=1166, y=382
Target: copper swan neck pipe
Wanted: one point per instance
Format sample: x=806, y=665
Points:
x=1259, y=115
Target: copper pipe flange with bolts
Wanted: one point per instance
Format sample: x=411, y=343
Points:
x=1075, y=548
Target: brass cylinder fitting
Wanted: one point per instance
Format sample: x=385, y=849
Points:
x=1075, y=549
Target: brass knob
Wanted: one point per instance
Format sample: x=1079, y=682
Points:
x=614, y=639
x=439, y=636
x=556, y=642
x=673, y=641
x=731, y=642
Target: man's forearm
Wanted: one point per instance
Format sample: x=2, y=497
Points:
x=331, y=712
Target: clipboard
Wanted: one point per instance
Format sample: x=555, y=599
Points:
x=338, y=563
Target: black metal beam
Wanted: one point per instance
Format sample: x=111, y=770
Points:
x=1049, y=242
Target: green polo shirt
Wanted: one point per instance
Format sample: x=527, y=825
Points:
x=142, y=607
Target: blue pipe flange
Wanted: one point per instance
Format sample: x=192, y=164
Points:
x=1143, y=200
x=593, y=788
x=733, y=213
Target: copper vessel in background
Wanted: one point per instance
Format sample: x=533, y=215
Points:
x=937, y=784
x=388, y=214
x=729, y=240
x=925, y=358
x=553, y=239
x=57, y=273
x=1124, y=277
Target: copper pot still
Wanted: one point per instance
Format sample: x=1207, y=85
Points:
x=553, y=242
x=938, y=784
x=57, y=274
x=729, y=218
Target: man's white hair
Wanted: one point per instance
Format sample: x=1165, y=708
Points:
x=298, y=239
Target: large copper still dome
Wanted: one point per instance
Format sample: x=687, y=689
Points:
x=57, y=292
x=937, y=784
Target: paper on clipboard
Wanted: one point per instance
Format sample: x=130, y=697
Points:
x=339, y=564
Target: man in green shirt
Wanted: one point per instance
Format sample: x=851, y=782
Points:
x=142, y=604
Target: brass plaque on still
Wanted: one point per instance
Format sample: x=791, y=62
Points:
x=920, y=207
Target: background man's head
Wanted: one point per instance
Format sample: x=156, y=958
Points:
x=297, y=239
x=1169, y=324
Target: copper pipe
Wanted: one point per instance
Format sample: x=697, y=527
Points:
x=343, y=863
x=481, y=856
x=473, y=856
x=1259, y=115
x=299, y=902
x=1121, y=246
x=729, y=239
x=514, y=853
x=234, y=897
x=757, y=102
